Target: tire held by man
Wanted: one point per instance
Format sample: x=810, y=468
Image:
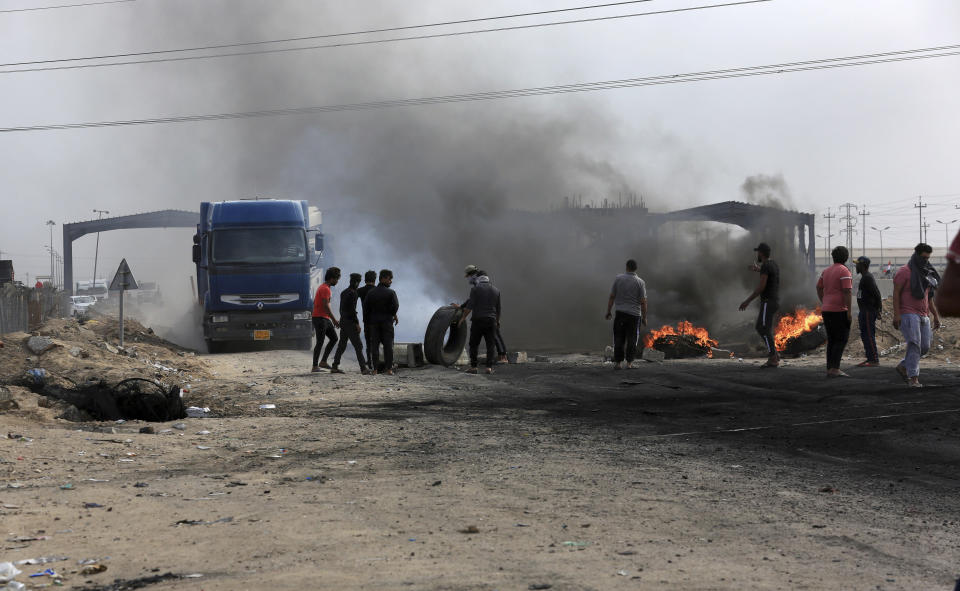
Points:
x=445, y=338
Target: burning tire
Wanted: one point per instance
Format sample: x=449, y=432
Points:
x=445, y=338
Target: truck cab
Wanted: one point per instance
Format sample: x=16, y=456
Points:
x=258, y=264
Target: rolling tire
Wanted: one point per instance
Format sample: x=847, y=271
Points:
x=445, y=339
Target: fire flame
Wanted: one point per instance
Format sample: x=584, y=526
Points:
x=700, y=335
x=793, y=325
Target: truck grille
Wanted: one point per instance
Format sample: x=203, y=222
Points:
x=250, y=299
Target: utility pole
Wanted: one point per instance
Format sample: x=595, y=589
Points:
x=851, y=222
x=829, y=216
x=881, y=230
x=919, y=206
x=51, y=223
x=864, y=213
x=924, y=227
x=96, y=253
x=826, y=247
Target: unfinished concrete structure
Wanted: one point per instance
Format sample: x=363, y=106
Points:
x=168, y=218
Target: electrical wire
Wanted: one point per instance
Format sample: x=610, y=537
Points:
x=334, y=45
x=748, y=71
x=6, y=10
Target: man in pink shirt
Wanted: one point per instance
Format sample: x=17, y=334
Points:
x=912, y=308
x=835, y=289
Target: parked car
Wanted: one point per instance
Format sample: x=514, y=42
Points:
x=79, y=304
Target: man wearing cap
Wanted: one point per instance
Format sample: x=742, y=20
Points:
x=869, y=301
x=768, y=290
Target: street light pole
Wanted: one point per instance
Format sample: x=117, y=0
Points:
x=946, y=233
x=826, y=246
x=51, y=223
x=881, y=230
x=96, y=253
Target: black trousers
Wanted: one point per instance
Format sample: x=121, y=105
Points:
x=366, y=340
x=486, y=329
x=625, y=335
x=867, y=319
x=765, y=324
x=349, y=332
x=838, y=331
x=381, y=333
x=324, y=328
x=501, y=346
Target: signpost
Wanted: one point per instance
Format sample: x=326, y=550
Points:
x=123, y=281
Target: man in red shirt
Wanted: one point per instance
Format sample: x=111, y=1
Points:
x=835, y=289
x=912, y=308
x=323, y=320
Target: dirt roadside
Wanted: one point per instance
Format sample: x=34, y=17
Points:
x=707, y=474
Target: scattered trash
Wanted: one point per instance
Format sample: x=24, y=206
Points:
x=204, y=432
x=37, y=375
x=437, y=483
x=199, y=522
x=470, y=529
x=179, y=426
x=203, y=447
x=577, y=544
x=8, y=571
x=14, y=586
x=148, y=430
x=92, y=506
x=522, y=525
x=42, y=560
x=141, y=485
x=196, y=412
x=267, y=406
x=49, y=572
x=67, y=486
x=28, y=538
x=93, y=569
x=351, y=462
x=623, y=573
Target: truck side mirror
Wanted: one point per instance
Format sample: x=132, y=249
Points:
x=196, y=253
x=318, y=243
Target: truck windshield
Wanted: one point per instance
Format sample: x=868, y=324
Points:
x=260, y=245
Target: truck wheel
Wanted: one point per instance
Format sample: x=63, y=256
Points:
x=304, y=344
x=445, y=338
x=214, y=347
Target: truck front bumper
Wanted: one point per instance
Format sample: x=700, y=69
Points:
x=244, y=326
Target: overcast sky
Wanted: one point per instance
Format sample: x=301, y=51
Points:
x=878, y=135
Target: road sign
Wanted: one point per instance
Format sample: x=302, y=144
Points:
x=124, y=278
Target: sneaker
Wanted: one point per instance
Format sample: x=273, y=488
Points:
x=364, y=371
x=389, y=372
x=617, y=365
x=489, y=370
x=314, y=369
x=324, y=365
x=503, y=359
x=336, y=370
x=629, y=365
x=472, y=370
x=914, y=383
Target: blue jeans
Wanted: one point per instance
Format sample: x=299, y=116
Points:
x=916, y=332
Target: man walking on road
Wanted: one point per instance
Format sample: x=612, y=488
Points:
x=323, y=320
x=369, y=282
x=629, y=294
x=484, y=303
x=768, y=290
x=349, y=326
x=835, y=289
x=380, y=313
x=869, y=302
x=912, y=306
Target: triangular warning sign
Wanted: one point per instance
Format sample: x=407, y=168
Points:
x=124, y=278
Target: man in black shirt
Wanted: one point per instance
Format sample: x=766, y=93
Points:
x=768, y=291
x=370, y=281
x=349, y=326
x=380, y=314
x=869, y=302
x=484, y=303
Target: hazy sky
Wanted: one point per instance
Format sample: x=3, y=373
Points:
x=879, y=135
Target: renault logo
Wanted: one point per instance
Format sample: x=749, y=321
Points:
x=259, y=305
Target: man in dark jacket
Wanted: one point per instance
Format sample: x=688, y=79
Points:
x=869, y=302
x=484, y=304
x=380, y=314
x=349, y=326
x=369, y=282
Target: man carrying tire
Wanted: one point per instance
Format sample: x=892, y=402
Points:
x=484, y=304
x=380, y=314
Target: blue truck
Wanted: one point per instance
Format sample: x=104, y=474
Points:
x=259, y=263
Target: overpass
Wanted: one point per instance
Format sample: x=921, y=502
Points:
x=168, y=218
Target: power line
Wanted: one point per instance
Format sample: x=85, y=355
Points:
x=749, y=71
x=336, y=45
x=64, y=6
